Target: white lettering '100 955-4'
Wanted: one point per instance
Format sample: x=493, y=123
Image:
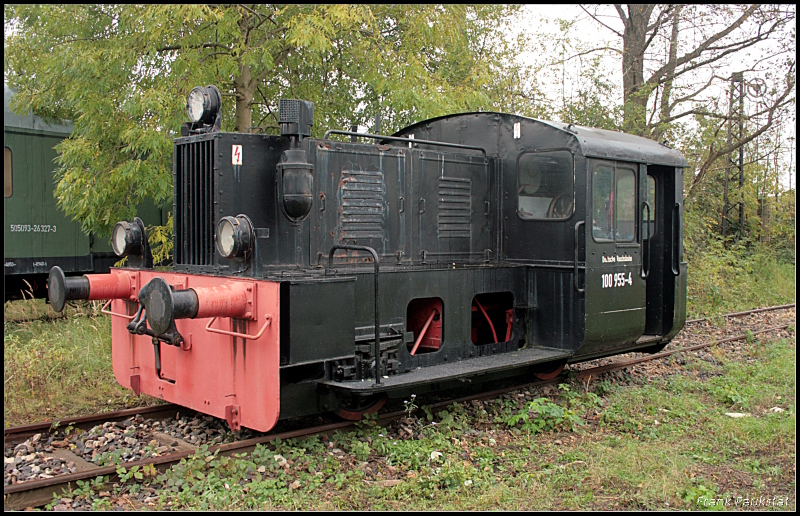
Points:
x=617, y=279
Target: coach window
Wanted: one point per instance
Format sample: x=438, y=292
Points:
x=7, y=187
x=545, y=185
x=614, y=203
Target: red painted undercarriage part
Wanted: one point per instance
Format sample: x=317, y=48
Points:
x=424, y=318
x=491, y=313
x=220, y=353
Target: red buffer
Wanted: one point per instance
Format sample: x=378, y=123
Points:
x=218, y=349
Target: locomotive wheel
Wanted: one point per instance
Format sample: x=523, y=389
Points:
x=549, y=370
x=354, y=409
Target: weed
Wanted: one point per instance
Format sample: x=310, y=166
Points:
x=137, y=473
x=542, y=415
x=604, y=388
x=409, y=406
x=703, y=498
x=101, y=504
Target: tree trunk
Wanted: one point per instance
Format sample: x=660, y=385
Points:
x=666, y=109
x=245, y=91
x=244, y=86
x=634, y=42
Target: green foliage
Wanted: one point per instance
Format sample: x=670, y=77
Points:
x=136, y=472
x=121, y=73
x=592, y=104
x=160, y=240
x=539, y=415
x=543, y=415
x=704, y=206
x=743, y=275
x=409, y=406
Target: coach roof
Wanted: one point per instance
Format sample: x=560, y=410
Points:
x=29, y=120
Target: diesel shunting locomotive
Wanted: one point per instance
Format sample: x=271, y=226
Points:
x=315, y=275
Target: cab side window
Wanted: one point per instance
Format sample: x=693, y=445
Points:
x=603, y=202
x=545, y=185
x=613, y=203
x=626, y=207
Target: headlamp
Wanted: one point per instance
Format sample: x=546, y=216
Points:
x=234, y=236
x=126, y=239
x=203, y=104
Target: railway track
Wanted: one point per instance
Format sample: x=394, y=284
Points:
x=156, y=425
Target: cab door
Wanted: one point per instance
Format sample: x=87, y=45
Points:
x=664, y=266
x=615, y=288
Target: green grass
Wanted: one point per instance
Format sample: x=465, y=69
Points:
x=724, y=280
x=661, y=444
x=56, y=368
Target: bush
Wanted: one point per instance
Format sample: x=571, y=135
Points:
x=738, y=276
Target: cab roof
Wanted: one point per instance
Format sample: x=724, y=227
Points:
x=596, y=143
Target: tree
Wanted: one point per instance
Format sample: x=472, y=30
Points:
x=122, y=72
x=676, y=60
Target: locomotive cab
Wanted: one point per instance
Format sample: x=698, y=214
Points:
x=315, y=274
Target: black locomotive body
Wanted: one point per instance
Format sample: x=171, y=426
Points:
x=504, y=245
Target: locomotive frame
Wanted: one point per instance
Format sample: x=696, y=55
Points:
x=463, y=248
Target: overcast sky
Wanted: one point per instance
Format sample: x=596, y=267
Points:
x=589, y=32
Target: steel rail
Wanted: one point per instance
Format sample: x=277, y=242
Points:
x=626, y=363
x=746, y=312
x=40, y=492
x=16, y=434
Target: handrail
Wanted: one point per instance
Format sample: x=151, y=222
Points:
x=377, y=316
x=676, y=232
x=267, y=322
x=577, y=246
x=109, y=312
x=645, y=238
x=399, y=139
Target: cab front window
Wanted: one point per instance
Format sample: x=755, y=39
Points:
x=545, y=185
